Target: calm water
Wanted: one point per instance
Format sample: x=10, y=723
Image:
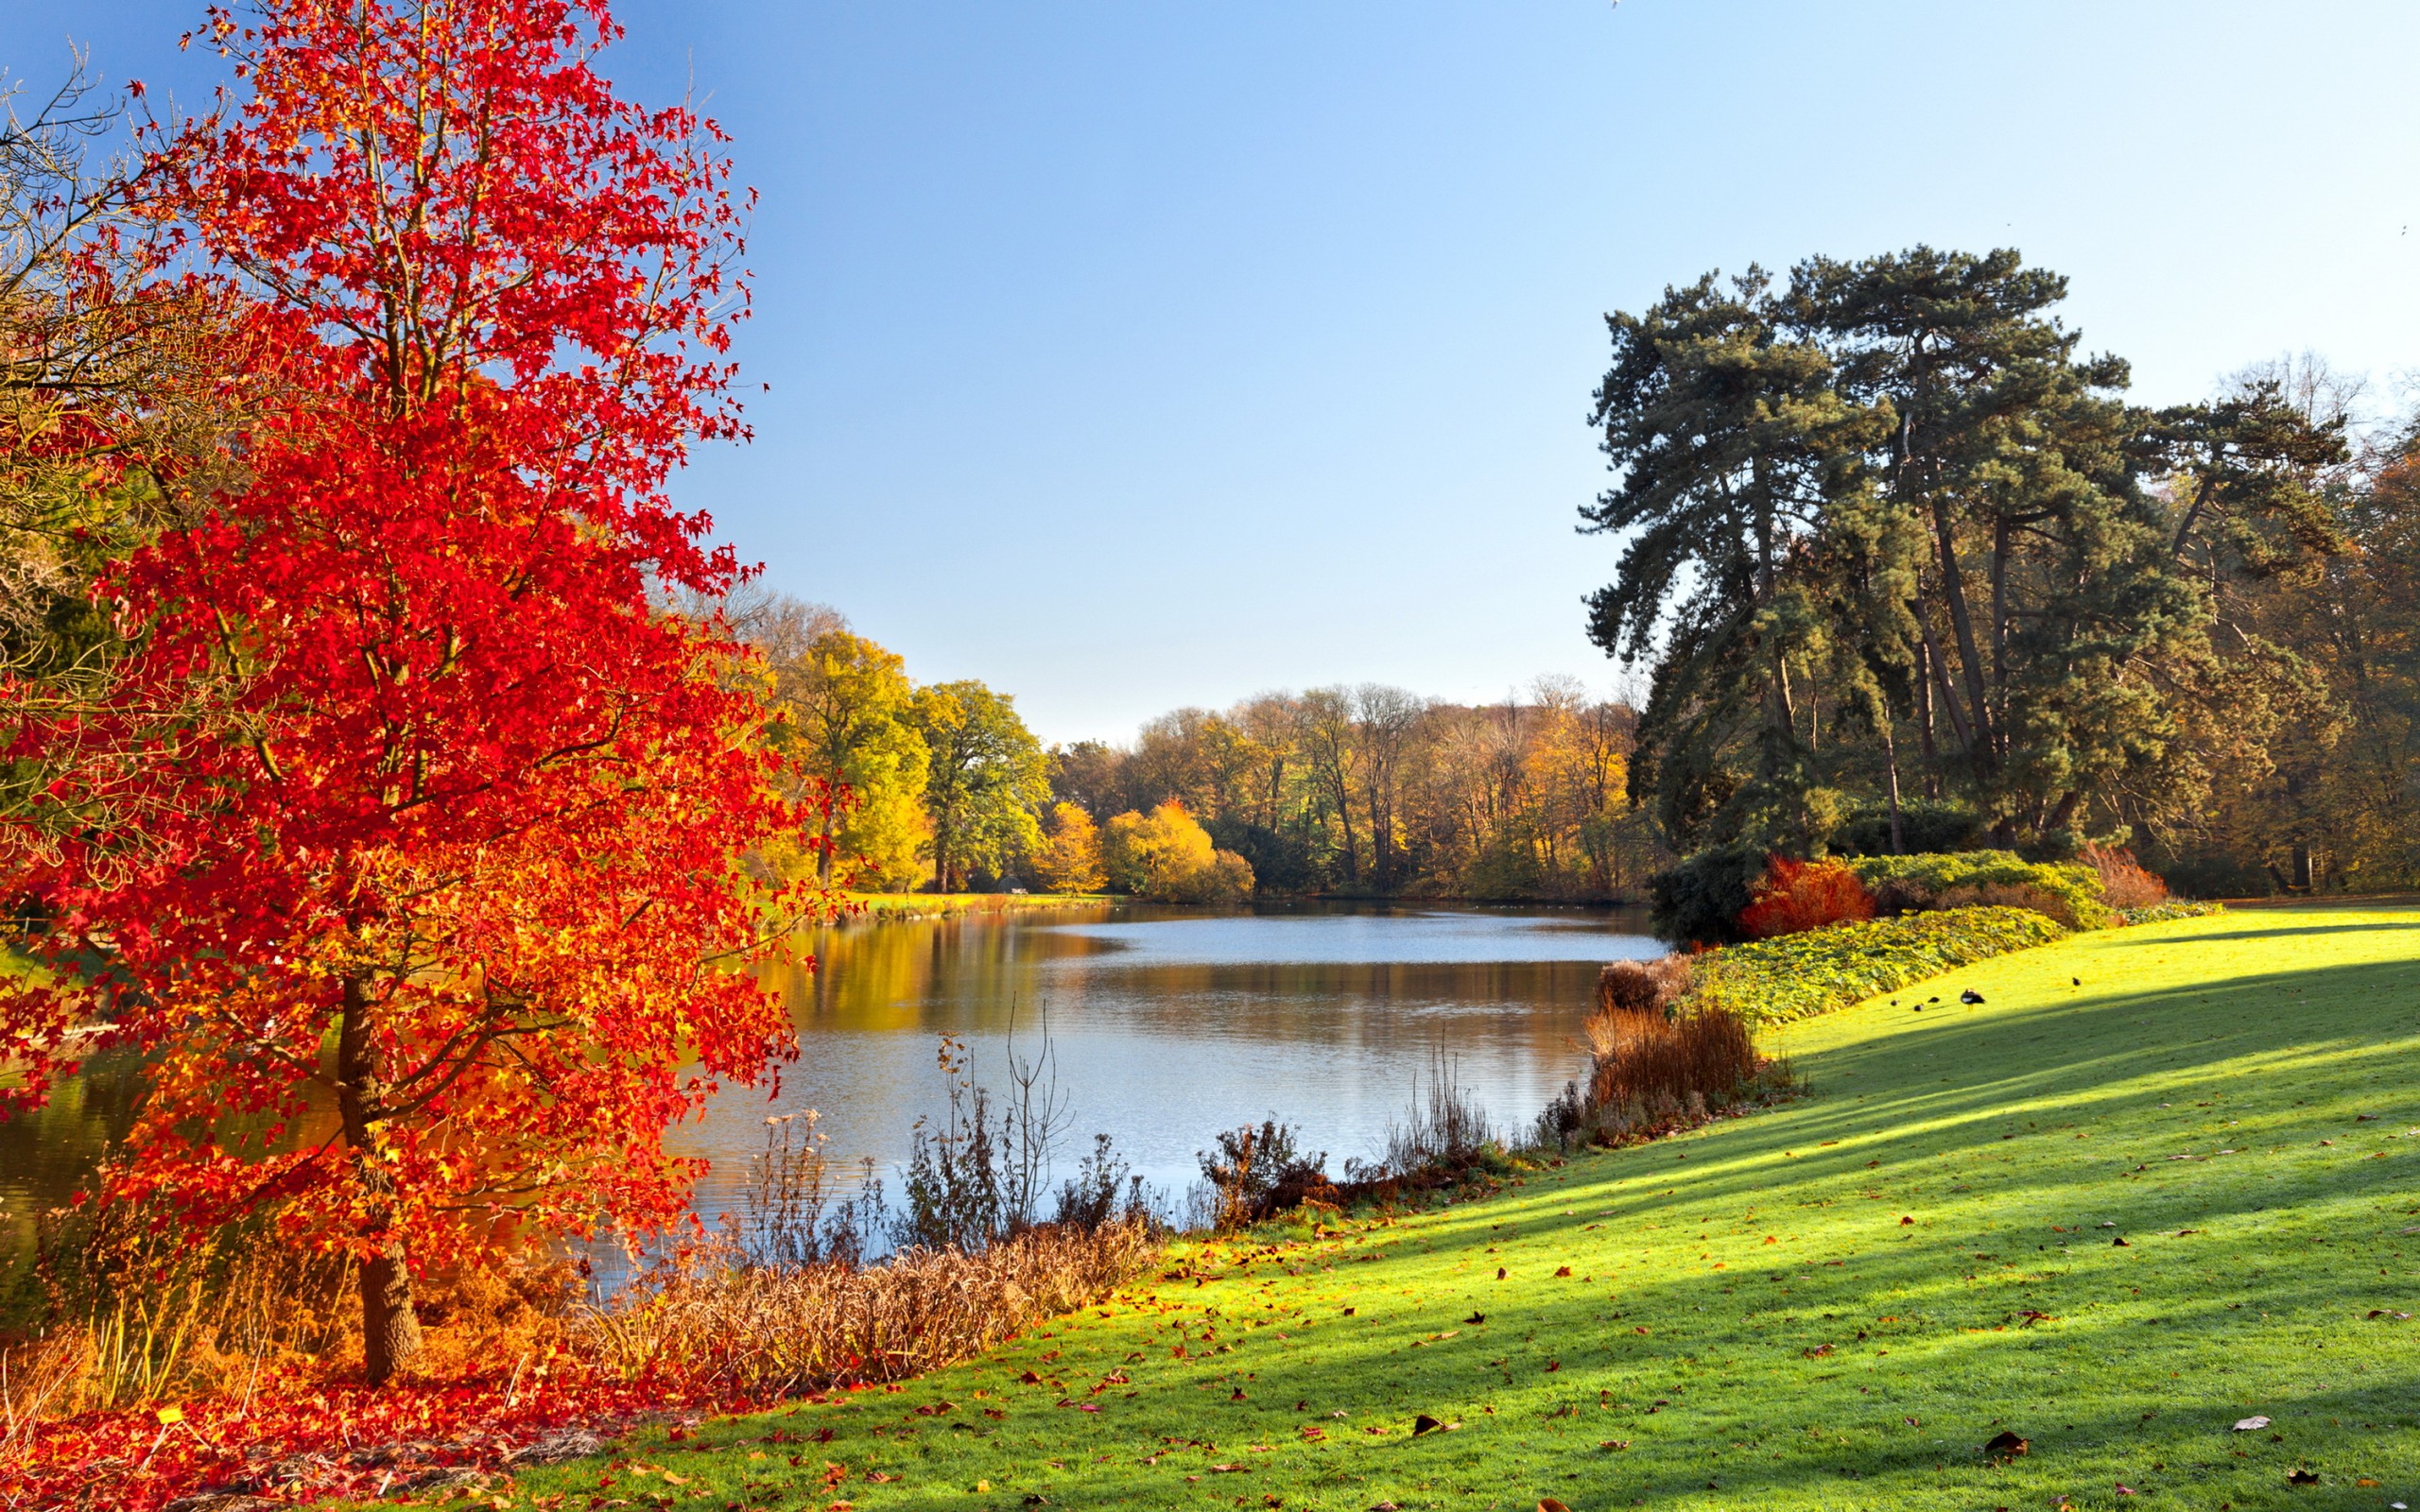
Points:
x=1166, y=1025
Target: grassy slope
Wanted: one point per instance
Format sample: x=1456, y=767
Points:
x=1706, y=1269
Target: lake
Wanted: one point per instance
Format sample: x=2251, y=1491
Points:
x=1165, y=1025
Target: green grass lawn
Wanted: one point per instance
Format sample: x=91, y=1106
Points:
x=1834, y=1304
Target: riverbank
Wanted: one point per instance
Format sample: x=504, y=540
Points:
x=902, y=906
x=1846, y=1297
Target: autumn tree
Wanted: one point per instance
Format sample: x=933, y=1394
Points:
x=439, y=930
x=1166, y=855
x=987, y=777
x=841, y=706
x=1069, y=859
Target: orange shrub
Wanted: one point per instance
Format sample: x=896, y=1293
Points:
x=2124, y=882
x=1800, y=895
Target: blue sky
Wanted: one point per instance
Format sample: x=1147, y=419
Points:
x=1134, y=356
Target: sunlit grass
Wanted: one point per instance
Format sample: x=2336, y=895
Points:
x=1832, y=1304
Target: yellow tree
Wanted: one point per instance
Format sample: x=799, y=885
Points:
x=841, y=703
x=1166, y=855
x=1069, y=860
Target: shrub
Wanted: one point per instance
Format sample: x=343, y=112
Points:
x=2125, y=883
x=2067, y=891
x=1699, y=902
x=2175, y=908
x=1799, y=975
x=1794, y=896
x=1258, y=1173
x=1642, y=987
x=1104, y=1191
x=1925, y=825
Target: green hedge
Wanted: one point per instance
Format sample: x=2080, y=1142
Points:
x=1924, y=878
x=2173, y=908
x=1797, y=976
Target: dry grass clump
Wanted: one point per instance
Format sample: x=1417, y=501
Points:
x=1648, y=1061
x=711, y=1318
x=1643, y=986
x=1653, y=1073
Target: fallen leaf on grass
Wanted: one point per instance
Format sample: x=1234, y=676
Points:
x=2123, y=1489
x=2299, y=1476
x=1547, y=1504
x=1227, y=1470
x=1614, y=1444
x=2006, y=1445
x=1561, y=1271
x=1425, y=1424
x=1476, y=1317
x=2251, y=1425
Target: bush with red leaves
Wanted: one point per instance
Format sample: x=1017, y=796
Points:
x=1800, y=895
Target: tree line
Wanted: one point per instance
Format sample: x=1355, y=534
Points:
x=1378, y=791
x=1910, y=572
x=1345, y=790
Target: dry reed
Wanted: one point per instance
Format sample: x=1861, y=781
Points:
x=1650, y=1060
x=711, y=1320
x=1642, y=987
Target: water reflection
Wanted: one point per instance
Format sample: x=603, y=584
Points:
x=1166, y=1025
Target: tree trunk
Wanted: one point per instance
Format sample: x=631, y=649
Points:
x=1924, y=718
x=390, y=1321
x=1891, y=768
x=1983, y=746
x=1948, y=693
x=823, y=856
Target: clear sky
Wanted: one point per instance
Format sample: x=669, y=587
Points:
x=1134, y=354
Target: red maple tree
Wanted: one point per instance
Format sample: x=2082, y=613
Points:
x=439, y=929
